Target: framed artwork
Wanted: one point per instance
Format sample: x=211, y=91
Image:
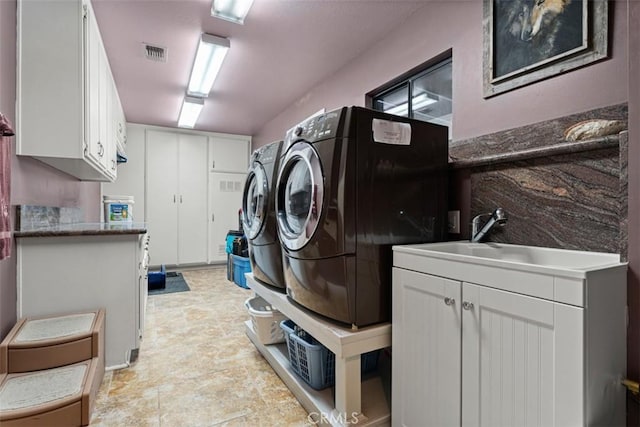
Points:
x=530, y=40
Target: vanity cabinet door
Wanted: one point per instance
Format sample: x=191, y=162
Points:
x=426, y=350
x=522, y=360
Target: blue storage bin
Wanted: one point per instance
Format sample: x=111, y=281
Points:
x=313, y=362
x=241, y=265
x=157, y=279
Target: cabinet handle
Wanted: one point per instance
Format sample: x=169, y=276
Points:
x=113, y=164
x=213, y=164
x=101, y=149
x=213, y=217
x=449, y=301
x=467, y=305
x=174, y=198
x=181, y=198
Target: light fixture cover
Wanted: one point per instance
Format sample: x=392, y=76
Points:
x=209, y=56
x=231, y=10
x=191, y=108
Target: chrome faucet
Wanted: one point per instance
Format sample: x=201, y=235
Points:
x=498, y=217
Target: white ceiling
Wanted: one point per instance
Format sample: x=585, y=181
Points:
x=284, y=48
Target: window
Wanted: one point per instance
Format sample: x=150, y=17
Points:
x=423, y=94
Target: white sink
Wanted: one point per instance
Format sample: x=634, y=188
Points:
x=525, y=257
x=560, y=258
x=553, y=274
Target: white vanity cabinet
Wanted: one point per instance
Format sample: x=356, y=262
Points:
x=66, y=103
x=488, y=353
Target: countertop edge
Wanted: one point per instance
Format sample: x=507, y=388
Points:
x=81, y=232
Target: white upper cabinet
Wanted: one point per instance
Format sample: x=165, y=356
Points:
x=67, y=104
x=229, y=154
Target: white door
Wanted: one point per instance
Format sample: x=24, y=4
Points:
x=522, y=361
x=426, y=350
x=225, y=201
x=228, y=154
x=162, y=197
x=192, y=199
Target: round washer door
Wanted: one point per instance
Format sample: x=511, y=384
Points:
x=254, y=201
x=300, y=195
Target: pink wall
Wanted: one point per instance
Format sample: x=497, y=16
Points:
x=32, y=182
x=441, y=25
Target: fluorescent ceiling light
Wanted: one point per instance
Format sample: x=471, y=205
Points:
x=209, y=57
x=231, y=10
x=190, y=111
x=417, y=102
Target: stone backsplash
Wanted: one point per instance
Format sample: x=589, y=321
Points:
x=29, y=217
x=572, y=197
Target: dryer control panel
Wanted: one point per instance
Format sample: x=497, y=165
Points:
x=316, y=128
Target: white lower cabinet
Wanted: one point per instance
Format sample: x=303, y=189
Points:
x=67, y=274
x=474, y=355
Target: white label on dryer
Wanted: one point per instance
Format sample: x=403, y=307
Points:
x=388, y=132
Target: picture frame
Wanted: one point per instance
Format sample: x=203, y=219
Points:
x=526, y=41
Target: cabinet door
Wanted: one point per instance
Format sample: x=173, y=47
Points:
x=93, y=53
x=426, y=350
x=162, y=197
x=225, y=200
x=192, y=199
x=522, y=360
x=228, y=154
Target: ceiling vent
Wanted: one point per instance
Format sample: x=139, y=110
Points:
x=155, y=53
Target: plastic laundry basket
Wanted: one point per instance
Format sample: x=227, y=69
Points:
x=265, y=320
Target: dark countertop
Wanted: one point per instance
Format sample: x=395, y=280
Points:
x=84, y=229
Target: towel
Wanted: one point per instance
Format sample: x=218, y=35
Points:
x=6, y=131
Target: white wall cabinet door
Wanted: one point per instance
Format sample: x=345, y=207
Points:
x=161, y=197
x=227, y=154
x=192, y=199
x=93, y=54
x=225, y=199
x=522, y=360
x=426, y=350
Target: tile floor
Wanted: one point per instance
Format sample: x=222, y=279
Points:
x=197, y=367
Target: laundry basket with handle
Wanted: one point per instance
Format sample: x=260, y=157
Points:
x=265, y=320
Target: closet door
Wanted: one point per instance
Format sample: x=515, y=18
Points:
x=192, y=199
x=225, y=199
x=162, y=197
